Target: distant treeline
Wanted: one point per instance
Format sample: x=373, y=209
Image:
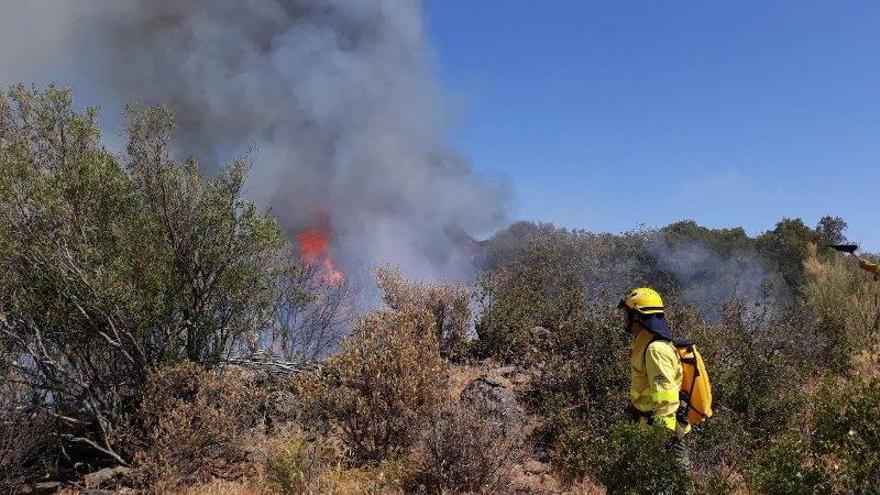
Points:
x=700, y=265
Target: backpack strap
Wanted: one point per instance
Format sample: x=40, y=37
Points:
x=655, y=338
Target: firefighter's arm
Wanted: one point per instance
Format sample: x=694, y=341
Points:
x=870, y=267
x=660, y=365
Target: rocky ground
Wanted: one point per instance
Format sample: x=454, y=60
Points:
x=502, y=387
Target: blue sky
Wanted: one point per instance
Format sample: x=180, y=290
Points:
x=605, y=115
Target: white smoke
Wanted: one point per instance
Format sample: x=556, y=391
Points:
x=338, y=96
x=708, y=279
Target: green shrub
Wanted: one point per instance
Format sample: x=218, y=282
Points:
x=716, y=484
x=843, y=455
x=759, y=356
x=112, y=265
x=290, y=467
x=629, y=459
x=585, y=378
x=782, y=467
x=721, y=452
x=847, y=433
x=543, y=286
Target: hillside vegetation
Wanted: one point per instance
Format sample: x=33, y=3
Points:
x=126, y=281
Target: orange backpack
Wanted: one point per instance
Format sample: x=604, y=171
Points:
x=696, y=391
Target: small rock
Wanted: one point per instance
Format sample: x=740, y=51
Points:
x=498, y=399
x=519, y=379
x=102, y=476
x=505, y=370
x=532, y=466
x=487, y=380
x=41, y=488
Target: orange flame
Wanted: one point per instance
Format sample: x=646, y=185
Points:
x=314, y=251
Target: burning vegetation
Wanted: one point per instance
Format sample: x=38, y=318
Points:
x=314, y=248
x=120, y=308
x=162, y=333
x=157, y=334
x=337, y=98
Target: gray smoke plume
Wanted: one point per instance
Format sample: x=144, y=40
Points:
x=338, y=97
x=708, y=279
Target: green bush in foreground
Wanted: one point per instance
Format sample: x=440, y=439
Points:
x=629, y=460
x=847, y=435
x=841, y=456
x=782, y=467
x=112, y=265
x=290, y=468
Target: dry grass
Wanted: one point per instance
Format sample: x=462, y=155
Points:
x=471, y=448
x=291, y=462
x=22, y=438
x=222, y=487
x=586, y=486
x=842, y=291
x=384, y=479
x=192, y=425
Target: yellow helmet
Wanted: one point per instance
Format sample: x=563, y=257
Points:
x=643, y=300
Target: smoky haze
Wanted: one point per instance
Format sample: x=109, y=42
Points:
x=709, y=279
x=337, y=97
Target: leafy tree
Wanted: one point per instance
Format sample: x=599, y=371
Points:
x=542, y=287
x=830, y=230
x=108, y=268
x=721, y=240
x=786, y=245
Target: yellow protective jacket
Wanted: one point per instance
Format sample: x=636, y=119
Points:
x=656, y=373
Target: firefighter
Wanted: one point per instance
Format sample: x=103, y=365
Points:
x=872, y=268
x=655, y=371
